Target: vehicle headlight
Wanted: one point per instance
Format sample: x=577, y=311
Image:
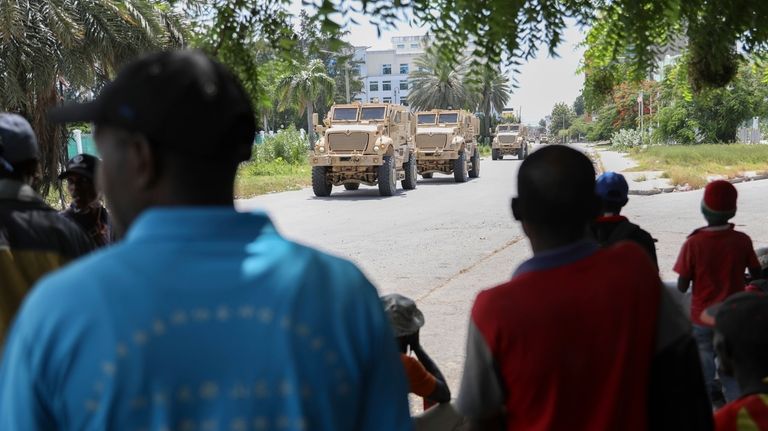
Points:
x=376, y=148
x=320, y=149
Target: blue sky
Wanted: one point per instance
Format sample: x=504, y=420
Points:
x=542, y=81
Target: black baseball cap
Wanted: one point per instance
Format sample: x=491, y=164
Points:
x=181, y=100
x=18, y=142
x=81, y=164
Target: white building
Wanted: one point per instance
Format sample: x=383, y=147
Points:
x=385, y=72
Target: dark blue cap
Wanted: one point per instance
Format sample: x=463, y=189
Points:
x=17, y=140
x=612, y=187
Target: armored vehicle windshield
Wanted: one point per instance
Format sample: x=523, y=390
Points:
x=344, y=114
x=448, y=118
x=427, y=118
x=373, y=113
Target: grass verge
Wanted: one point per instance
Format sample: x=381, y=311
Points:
x=692, y=164
x=255, y=179
x=485, y=150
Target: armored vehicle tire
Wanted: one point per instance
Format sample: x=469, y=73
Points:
x=409, y=183
x=460, y=168
x=495, y=154
x=320, y=184
x=387, y=177
x=474, y=171
x=428, y=175
x=352, y=186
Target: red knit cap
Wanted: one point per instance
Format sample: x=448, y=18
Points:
x=720, y=197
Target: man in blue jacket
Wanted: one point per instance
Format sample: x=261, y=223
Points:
x=202, y=318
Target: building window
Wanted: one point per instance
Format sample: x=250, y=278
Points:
x=403, y=85
x=386, y=69
x=404, y=101
x=400, y=46
x=403, y=69
x=387, y=100
x=386, y=86
x=415, y=45
x=374, y=86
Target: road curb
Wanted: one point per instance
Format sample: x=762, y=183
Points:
x=657, y=191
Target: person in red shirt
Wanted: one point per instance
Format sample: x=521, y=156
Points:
x=741, y=341
x=714, y=259
x=582, y=337
x=424, y=377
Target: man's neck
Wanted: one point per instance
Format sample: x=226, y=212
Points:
x=544, y=243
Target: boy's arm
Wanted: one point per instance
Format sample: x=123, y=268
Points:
x=441, y=393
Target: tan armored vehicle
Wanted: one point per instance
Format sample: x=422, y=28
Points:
x=369, y=143
x=446, y=142
x=510, y=139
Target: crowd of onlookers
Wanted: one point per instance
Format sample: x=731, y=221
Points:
x=202, y=318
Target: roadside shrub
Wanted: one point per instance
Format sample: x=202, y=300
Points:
x=287, y=145
x=626, y=138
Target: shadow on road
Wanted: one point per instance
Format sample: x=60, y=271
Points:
x=441, y=181
x=507, y=160
x=367, y=194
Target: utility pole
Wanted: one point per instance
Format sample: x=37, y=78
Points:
x=346, y=81
x=564, y=126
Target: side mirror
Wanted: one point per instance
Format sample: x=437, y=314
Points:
x=315, y=118
x=490, y=130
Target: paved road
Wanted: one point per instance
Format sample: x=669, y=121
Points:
x=444, y=242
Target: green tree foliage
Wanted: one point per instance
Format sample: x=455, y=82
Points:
x=492, y=90
x=562, y=118
x=578, y=105
x=47, y=46
x=305, y=88
x=439, y=84
x=712, y=114
x=515, y=31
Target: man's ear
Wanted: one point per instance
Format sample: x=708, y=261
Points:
x=516, y=209
x=143, y=159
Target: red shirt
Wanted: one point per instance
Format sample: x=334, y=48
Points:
x=715, y=259
x=574, y=343
x=745, y=414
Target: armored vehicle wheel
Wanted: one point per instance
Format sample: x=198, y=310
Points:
x=428, y=175
x=320, y=184
x=387, y=177
x=352, y=186
x=409, y=183
x=460, y=168
x=474, y=172
x=495, y=154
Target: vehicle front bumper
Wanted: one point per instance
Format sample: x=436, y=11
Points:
x=437, y=155
x=346, y=160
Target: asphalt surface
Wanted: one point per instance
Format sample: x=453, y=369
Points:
x=444, y=242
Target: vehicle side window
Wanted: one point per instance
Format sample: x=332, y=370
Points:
x=397, y=117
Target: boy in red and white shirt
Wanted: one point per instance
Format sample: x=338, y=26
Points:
x=714, y=259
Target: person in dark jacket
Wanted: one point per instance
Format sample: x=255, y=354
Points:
x=86, y=208
x=612, y=227
x=34, y=239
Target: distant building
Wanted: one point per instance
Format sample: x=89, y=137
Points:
x=385, y=72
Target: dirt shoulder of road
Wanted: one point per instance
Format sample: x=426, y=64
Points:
x=659, y=169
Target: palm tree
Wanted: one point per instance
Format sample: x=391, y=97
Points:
x=439, y=84
x=494, y=92
x=46, y=45
x=310, y=84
